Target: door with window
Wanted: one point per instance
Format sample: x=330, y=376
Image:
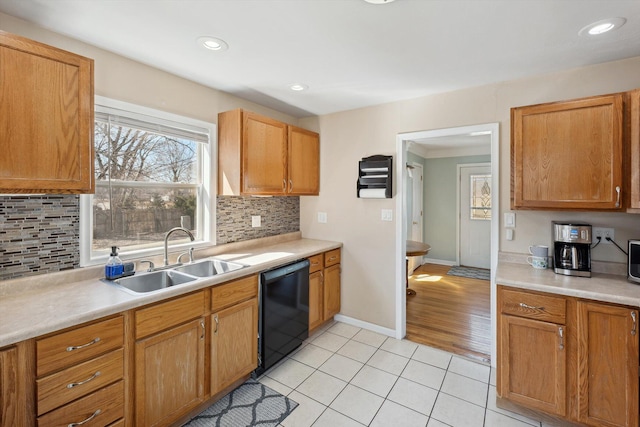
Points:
x=475, y=215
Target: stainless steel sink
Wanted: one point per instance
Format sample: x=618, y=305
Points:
x=153, y=281
x=209, y=267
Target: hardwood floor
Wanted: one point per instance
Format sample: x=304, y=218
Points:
x=449, y=312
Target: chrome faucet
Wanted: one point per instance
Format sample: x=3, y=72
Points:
x=166, y=241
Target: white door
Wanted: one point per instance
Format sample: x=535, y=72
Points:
x=475, y=215
x=417, y=221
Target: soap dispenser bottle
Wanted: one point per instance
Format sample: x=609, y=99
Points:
x=114, y=268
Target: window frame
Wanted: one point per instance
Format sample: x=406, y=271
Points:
x=206, y=216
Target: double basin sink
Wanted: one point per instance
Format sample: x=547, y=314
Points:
x=161, y=279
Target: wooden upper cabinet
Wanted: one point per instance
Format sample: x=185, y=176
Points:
x=258, y=155
x=304, y=162
x=264, y=155
x=634, y=131
x=568, y=155
x=46, y=118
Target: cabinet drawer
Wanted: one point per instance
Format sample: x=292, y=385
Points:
x=105, y=406
x=548, y=308
x=167, y=314
x=234, y=292
x=68, y=348
x=315, y=263
x=77, y=381
x=332, y=258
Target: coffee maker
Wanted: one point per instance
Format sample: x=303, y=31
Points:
x=571, y=248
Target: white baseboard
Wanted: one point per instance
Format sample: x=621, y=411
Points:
x=366, y=325
x=439, y=261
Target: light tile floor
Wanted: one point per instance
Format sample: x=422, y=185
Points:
x=347, y=376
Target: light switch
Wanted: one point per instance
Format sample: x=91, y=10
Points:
x=509, y=234
x=510, y=219
x=387, y=215
x=322, y=217
x=256, y=221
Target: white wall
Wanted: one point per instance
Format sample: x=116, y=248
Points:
x=368, y=271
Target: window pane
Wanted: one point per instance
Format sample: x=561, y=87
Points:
x=129, y=154
x=480, y=197
x=137, y=218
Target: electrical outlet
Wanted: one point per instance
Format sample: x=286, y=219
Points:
x=386, y=215
x=603, y=233
x=322, y=217
x=256, y=221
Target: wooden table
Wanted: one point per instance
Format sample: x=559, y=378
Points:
x=415, y=249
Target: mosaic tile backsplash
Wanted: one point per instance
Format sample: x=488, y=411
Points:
x=279, y=215
x=40, y=234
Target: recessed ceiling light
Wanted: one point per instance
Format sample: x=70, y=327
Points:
x=379, y=1
x=213, y=43
x=298, y=87
x=602, y=26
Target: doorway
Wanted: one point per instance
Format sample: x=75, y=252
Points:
x=434, y=137
x=414, y=209
x=474, y=215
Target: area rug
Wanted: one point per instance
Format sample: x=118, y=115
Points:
x=470, y=272
x=251, y=404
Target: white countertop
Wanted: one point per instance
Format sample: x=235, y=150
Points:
x=601, y=287
x=38, y=305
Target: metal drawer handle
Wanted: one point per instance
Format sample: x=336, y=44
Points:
x=290, y=186
x=92, y=377
x=203, y=329
x=332, y=258
x=618, y=197
x=215, y=318
x=78, y=347
x=561, y=333
x=284, y=185
x=633, y=317
x=95, y=414
x=531, y=307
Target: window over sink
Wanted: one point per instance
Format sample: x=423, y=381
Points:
x=154, y=171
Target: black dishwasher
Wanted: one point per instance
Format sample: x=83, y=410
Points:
x=284, y=312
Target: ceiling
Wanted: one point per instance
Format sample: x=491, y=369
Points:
x=350, y=53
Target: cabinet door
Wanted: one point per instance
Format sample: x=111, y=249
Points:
x=169, y=374
x=634, y=119
x=316, y=312
x=532, y=361
x=8, y=388
x=303, y=162
x=607, y=365
x=331, y=291
x=264, y=155
x=234, y=344
x=568, y=155
x=46, y=118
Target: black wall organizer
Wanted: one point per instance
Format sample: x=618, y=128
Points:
x=375, y=177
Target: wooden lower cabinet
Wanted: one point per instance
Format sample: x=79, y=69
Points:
x=585, y=370
x=170, y=373
x=536, y=379
x=607, y=365
x=316, y=300
x=234, y=344
x=324, y=287
x=8, y=387
x=331, y=291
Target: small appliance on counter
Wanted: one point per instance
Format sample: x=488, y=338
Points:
x=571, y=248
x=633, y=263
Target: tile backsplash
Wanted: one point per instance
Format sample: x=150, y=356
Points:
x=40, y=234
x=279, y=215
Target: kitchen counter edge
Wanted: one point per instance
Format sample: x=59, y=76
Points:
x=41, y=310
x=599, y=287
